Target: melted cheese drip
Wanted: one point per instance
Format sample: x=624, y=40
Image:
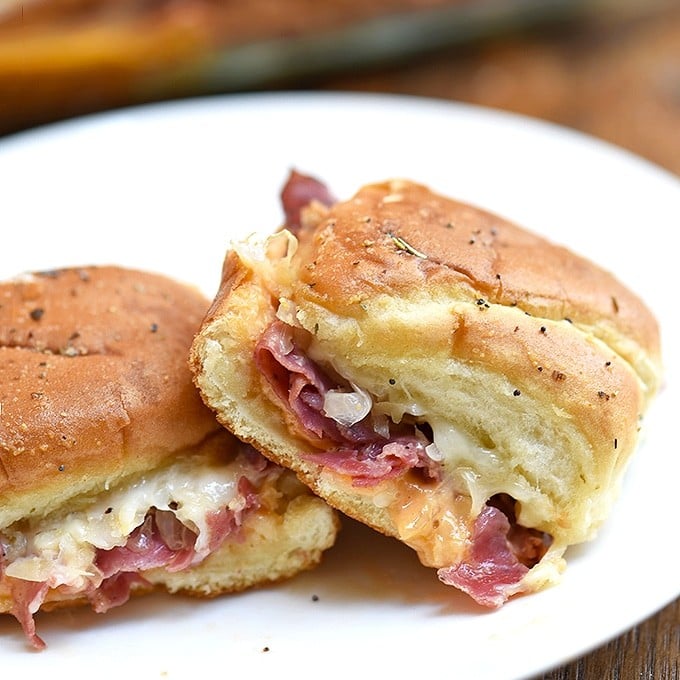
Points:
x=60, y=549
x=433, y=520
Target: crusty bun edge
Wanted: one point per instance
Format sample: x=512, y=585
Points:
x=400, y=238
x=94, y=383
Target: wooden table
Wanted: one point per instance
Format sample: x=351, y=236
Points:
x=650, y=651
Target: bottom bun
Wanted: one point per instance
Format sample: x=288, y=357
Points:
x=275, y=547
x=219, y=520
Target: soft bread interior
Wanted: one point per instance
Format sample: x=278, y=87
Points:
x=229, y=382
x=226, y=346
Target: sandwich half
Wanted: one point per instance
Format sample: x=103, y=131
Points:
x=115, y=478
x=436, y=372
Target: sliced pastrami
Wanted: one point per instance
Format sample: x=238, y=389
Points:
x=299, y=191
x=302, y=384
x=115, y=591
x=501, y=553
x=356, y=450
x=501, y=550
x=378, y=461
x=491, y=572
x=296, y=379
x=27, y=597
x=161, y=541
x=146, y=549
x=226, y=522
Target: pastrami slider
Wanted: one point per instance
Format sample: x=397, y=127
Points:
x=435, y=372
x=115, y=477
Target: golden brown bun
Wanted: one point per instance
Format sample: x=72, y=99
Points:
x=532, y=365
x=94, y=384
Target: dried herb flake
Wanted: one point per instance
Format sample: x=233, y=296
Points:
x=405, y=246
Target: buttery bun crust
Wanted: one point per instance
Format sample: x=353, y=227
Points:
x=94, y=384
x=531, y=365
x=417, y=243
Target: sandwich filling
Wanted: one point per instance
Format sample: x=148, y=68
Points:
x=391, y=453
x=170, y=519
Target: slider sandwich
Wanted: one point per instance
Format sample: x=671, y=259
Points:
x=115, y=478
x=436, y=372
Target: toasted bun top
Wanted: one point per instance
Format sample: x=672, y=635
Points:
x=401, y=239
x=94, y=382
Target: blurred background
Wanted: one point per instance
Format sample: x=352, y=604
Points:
x=608, y=67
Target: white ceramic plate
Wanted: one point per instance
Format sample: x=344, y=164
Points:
x=166, y=187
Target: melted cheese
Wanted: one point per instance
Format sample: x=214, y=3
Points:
x=436, y=518
x=433, y=520
x=60, y=549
